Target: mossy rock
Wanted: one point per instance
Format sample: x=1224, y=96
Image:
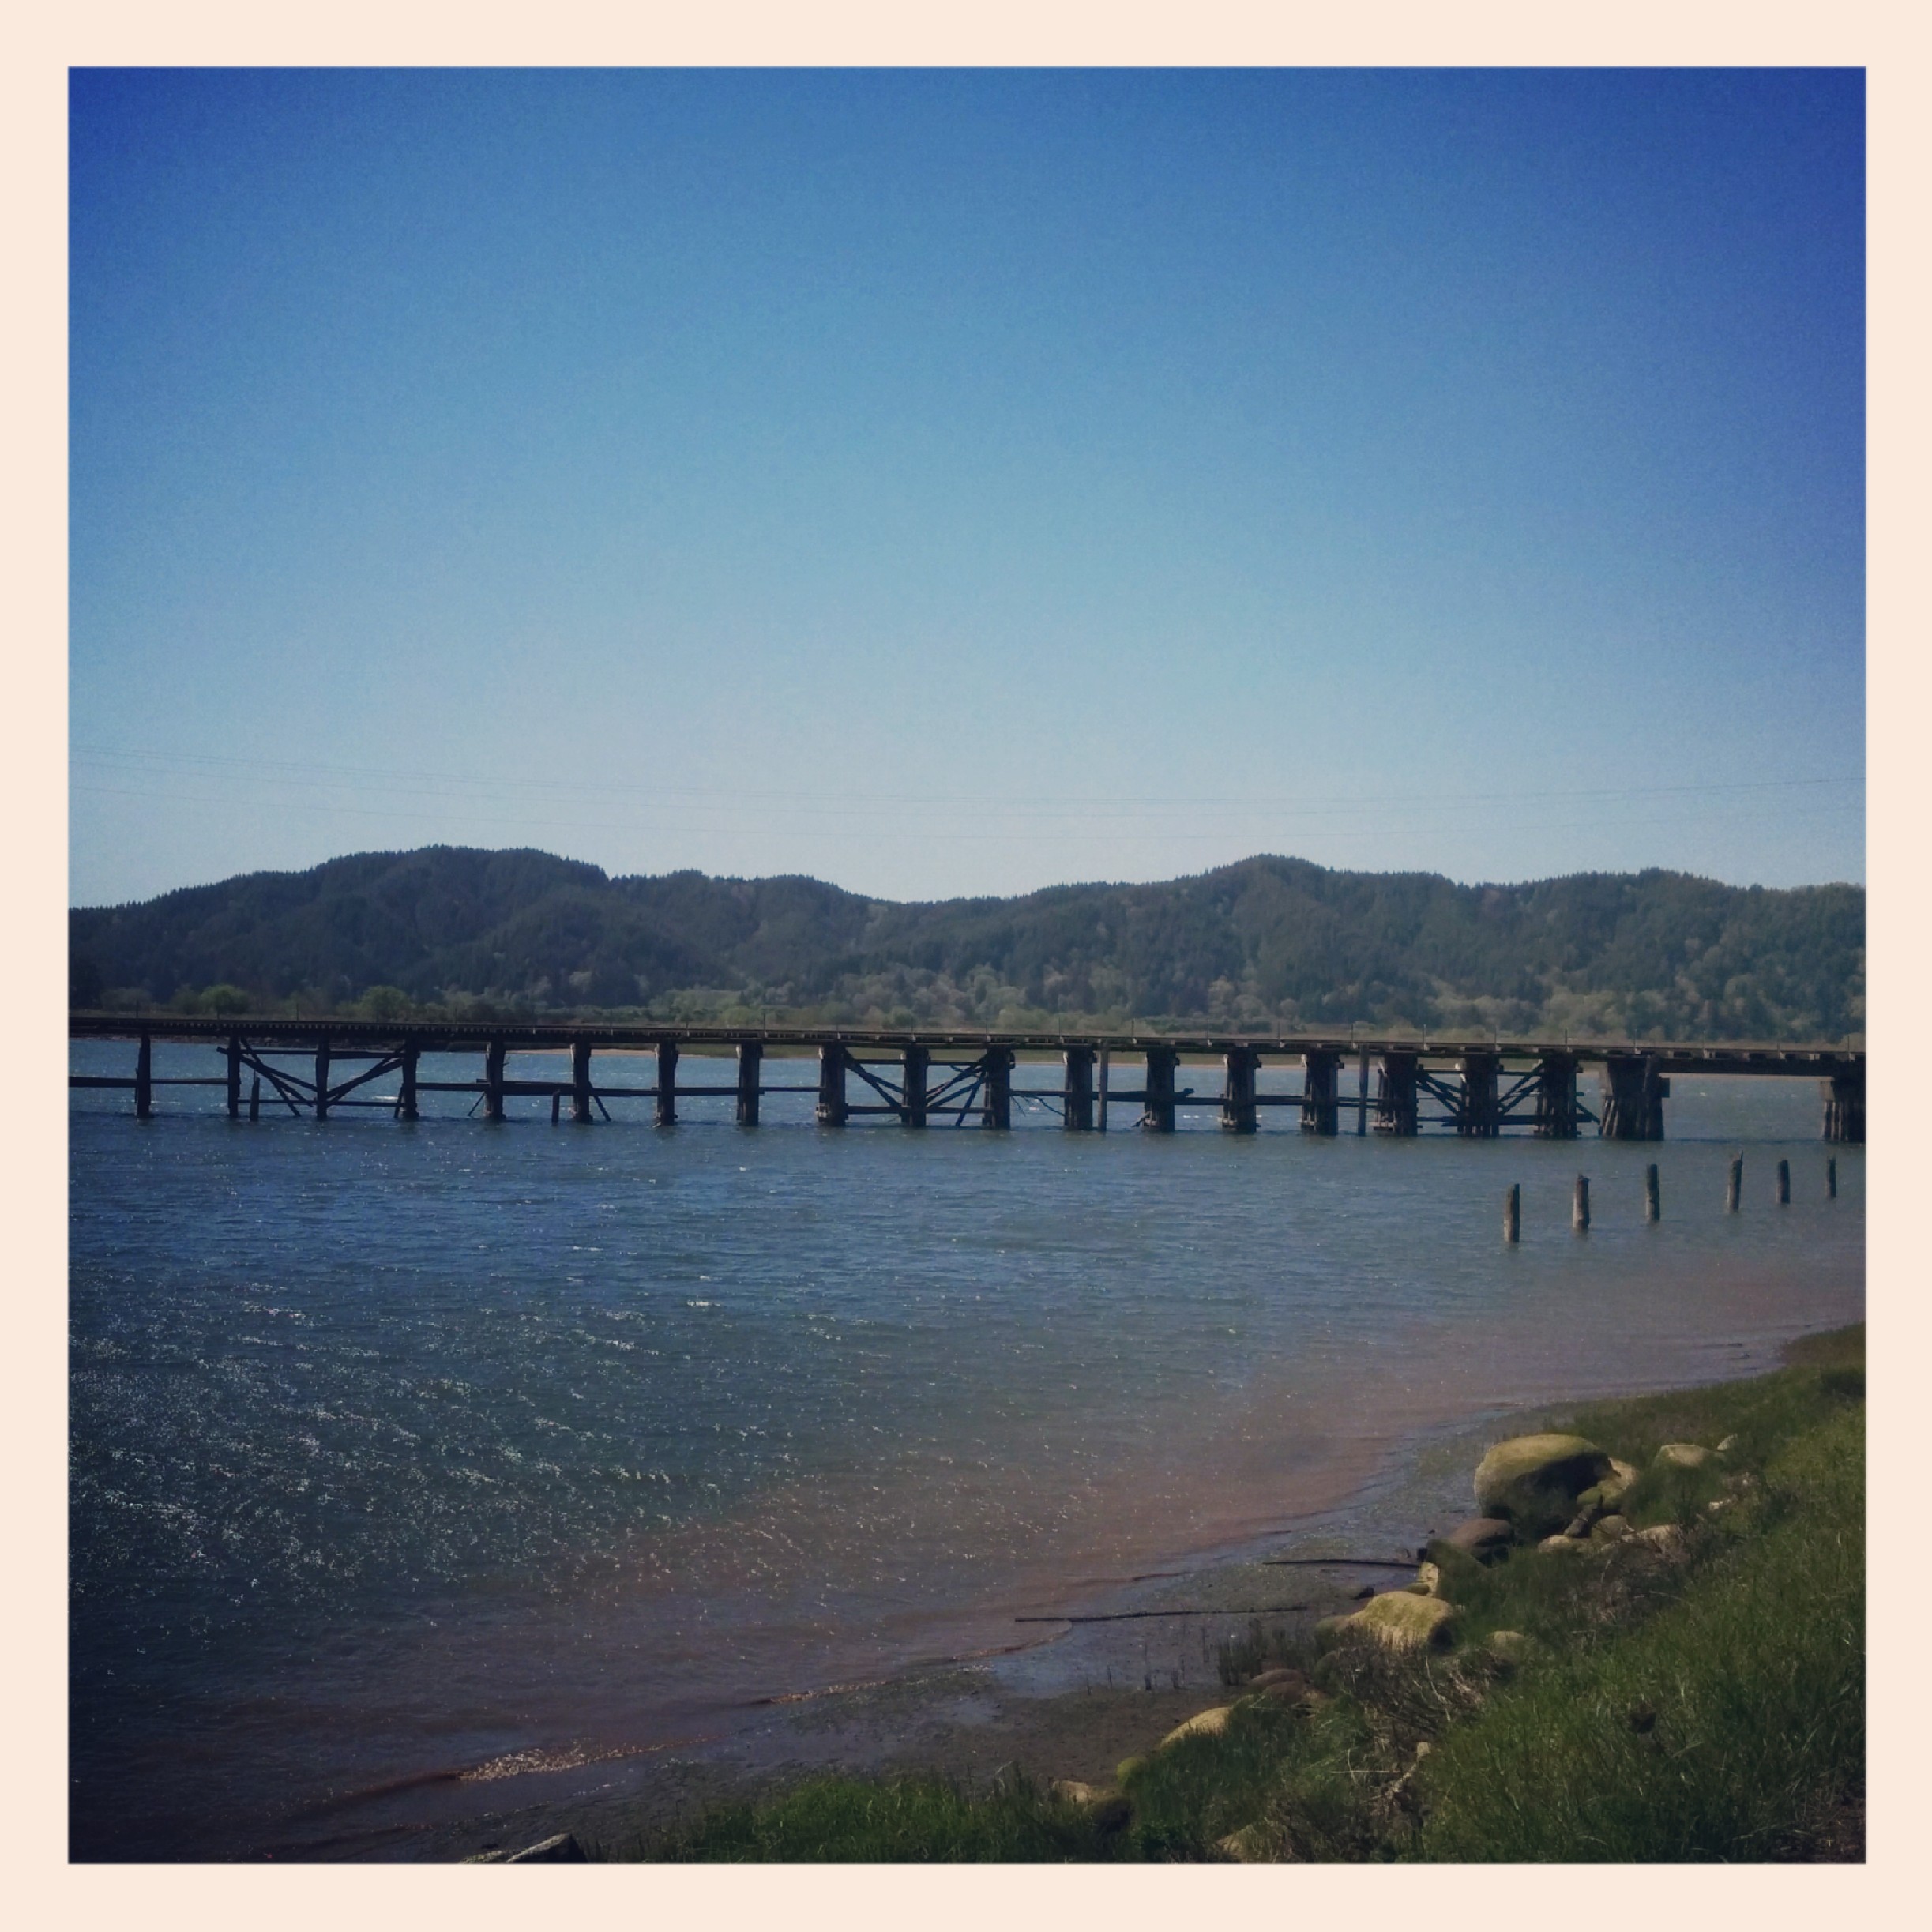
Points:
x=1683, y=1456
x=1202, y=1724
x=1396, y=1619
x=1127, y=1767
x=1533, y=1483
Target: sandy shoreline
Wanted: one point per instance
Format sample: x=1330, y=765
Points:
x=1070, y=1703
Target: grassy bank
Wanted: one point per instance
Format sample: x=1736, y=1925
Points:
x=1695, y=1695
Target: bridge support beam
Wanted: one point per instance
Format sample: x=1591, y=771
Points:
x=1238, y=1090
x=751, y=1062
x=1321, y=1070
x=1555, y=1117
x=406, y=1096
x=912, y=1086
x=321, y=1078
x=1477, y=1118
x=1634, y=1092
x=493, y=1081
x=144, y=1078
x=579, y=1081
x=234, y=1077
x=667, y=1113
x=1843, y=1094
x=832, y=1085
x=1076, y=1114
x=996, y=1105
x=1157, y=1102
x=1395, y=1094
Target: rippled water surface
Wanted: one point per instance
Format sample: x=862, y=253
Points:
x=404, y=1456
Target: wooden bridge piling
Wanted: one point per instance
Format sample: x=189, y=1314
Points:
x=1784, y=1183
x=1239, y=1065
x=579, y=1083
x=1321, y=1079
x=406, y=1107
x=1580, y=1206
x=1844, y=1107
x=1555, y=1117
x=321, y=1080
x=233, y=1054
x=1634, y=1092
x=1157, y=1101
x=1653, y=1194
x=1478, y=1117
x=254, y=1097
x=1513, y=1213
x=913, y=1075
x=1831, y=1177
x=665, y=1111
x=1734, y=1185
x=144, y=1078
x=493, y=1079
x=750, y=1061
x=1395, y=1094
x=832, y=1106
x=996, y=1105
x=1077, y=1101
x=1102, y=1074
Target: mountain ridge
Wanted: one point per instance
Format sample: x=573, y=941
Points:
x=1267, y=941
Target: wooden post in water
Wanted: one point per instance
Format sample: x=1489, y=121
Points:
x=321, y=1078
x=1238, y=1090
x=996, y=1104
x=1653, y=1194
x=1734, y=1184
x=556, y=1108
x=912, y=1086
x=667, y=1114
x=406, y=1099
x=1513, y=1213
x=254, y=1098
x=1320, y=1076
x=1099, y=1099
x=493, y=1081
x=1831, y=1177
x=1076, y=1114
x=1784, y=1184
x=750, y=1059
x=832, y=1084
x=579, y=1081
x=1157, y=1108
x=234, y=1077
x=144, y=1078
x=1395, y=1094
x=1580, y=1205
x=1362, y=1091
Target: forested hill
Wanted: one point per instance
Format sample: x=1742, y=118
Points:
x=1266, y=942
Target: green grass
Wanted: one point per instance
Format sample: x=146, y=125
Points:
x=1710, y=1707
x=906, y=1820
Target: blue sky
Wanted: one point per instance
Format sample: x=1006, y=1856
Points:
x=960, y=481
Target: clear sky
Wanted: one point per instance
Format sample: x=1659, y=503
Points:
x=947, y=482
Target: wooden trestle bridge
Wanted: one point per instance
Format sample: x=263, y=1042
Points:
x=1479, y=1088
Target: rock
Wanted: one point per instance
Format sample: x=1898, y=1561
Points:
x=1482, y=1537
x=562, y=1850
x=1397, y=1619
x=1610, y=1529
x=1076, y=1791
x=1513, y=1647
x=1127, y=1767
x=1533, y=1482
x=1623, y=1473
x=1683, y=1456
x=1583, y=1522
x=1367, y=1590
x=1428, y=1580
x=1113, y=1811
x=1290, y=1685
x=1250, y=1845
x=1728, y=1447
x=1667, y=1538
x=1202, y=1724
x=1561, y=1544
